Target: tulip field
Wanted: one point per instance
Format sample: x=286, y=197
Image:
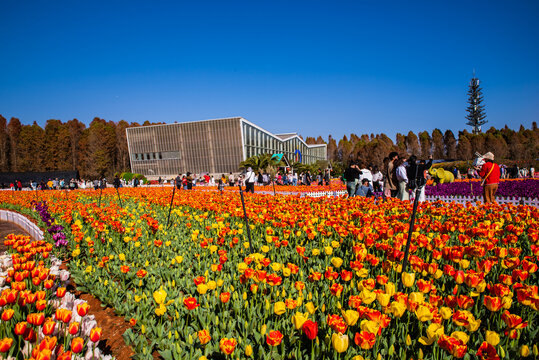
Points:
x=319, y=280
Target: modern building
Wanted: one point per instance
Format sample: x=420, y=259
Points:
x=214, y=146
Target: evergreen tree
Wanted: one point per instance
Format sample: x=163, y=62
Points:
x=476, y=112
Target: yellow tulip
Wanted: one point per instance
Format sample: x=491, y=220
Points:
x=363, y=273
x=248, y=350
x=310, y=307
x=435, y=331
x=265, y=248
x=524, y=351
x=315, y=252
x=213, y=249
x=337, y=262
x=276, y=266
x=423, y=313
x=507, y=302
x=473, y=324
x=408, y=279
x=417, y=297
x=340, y=342
x=370, y=326
x=492, y=338
x=211, y=285
x=390, y=288
x=397, y=309
x=328, y=250
x=121, y=257
x=383, y=299
x=242, y=267
x=220, y=282
x=202, y=289
x=461, y=335
x=351, y=317
x=367, y=296
x=159, y=296
x=446, y=312
x=161, y=310
x=279, y=308
x=286, y=272
x=263, y=330
x=298, y=319
x=335, y=244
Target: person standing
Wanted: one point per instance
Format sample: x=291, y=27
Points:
x=189, y=180
x=351, y=177
x=178, y=182
x=402, y=178
x=490, y=173
x=231, y=180
x=390, y=175
x=250, y=178
x=117, y=184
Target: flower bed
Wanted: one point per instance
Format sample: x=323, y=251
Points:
x=320, y=280
x=528, y=188
x=39, y=318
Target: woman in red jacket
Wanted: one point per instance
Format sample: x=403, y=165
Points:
x=490, y=173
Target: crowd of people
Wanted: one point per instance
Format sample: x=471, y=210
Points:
x=400, y=176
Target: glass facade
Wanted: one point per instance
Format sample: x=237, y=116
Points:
x=214, y=146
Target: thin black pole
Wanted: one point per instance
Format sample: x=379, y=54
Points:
x=170, y=207
x=246, y=219
x=407, y=250
x=100, y=192
x=118, y=192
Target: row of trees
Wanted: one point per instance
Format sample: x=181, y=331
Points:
x=101, y=148
x=97, y=150
x=506, y=144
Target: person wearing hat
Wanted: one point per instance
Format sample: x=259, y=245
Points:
x=365, y=189
x=490, y=175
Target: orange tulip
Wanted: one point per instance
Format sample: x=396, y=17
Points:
x=95, y=334
x=5, y=344
x=204, y=336
x=7, y=314
x=20, y=328
x=60, y=292
x=274, y=338
x=48, y=327
x=77, y=344
x=224, y=297
x=365, y=340
x=492, y=303
x=227, y=346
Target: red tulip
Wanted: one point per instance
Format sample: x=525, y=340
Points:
x=82, y=309
x=48, y=327
x=73, y=328
x=7, y=314
x=310, y=328
x=95, y=334
x=60, y=292
x=20, y=328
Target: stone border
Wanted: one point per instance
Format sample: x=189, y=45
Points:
x=22, y=221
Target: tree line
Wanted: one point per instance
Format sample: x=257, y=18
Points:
x=507, y=145
x=101, y=148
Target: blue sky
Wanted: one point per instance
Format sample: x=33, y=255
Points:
x=317, y=67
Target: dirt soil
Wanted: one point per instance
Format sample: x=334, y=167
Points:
x=112, y=342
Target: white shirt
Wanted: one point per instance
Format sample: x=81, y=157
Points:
x=365, y=174
x=377, y=177
x=401, y=174
x=250, y=177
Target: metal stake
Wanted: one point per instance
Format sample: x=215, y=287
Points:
x=118, y=192
x=170, y=207
x=407, y=250
x=246, y=219
x=100, y=192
